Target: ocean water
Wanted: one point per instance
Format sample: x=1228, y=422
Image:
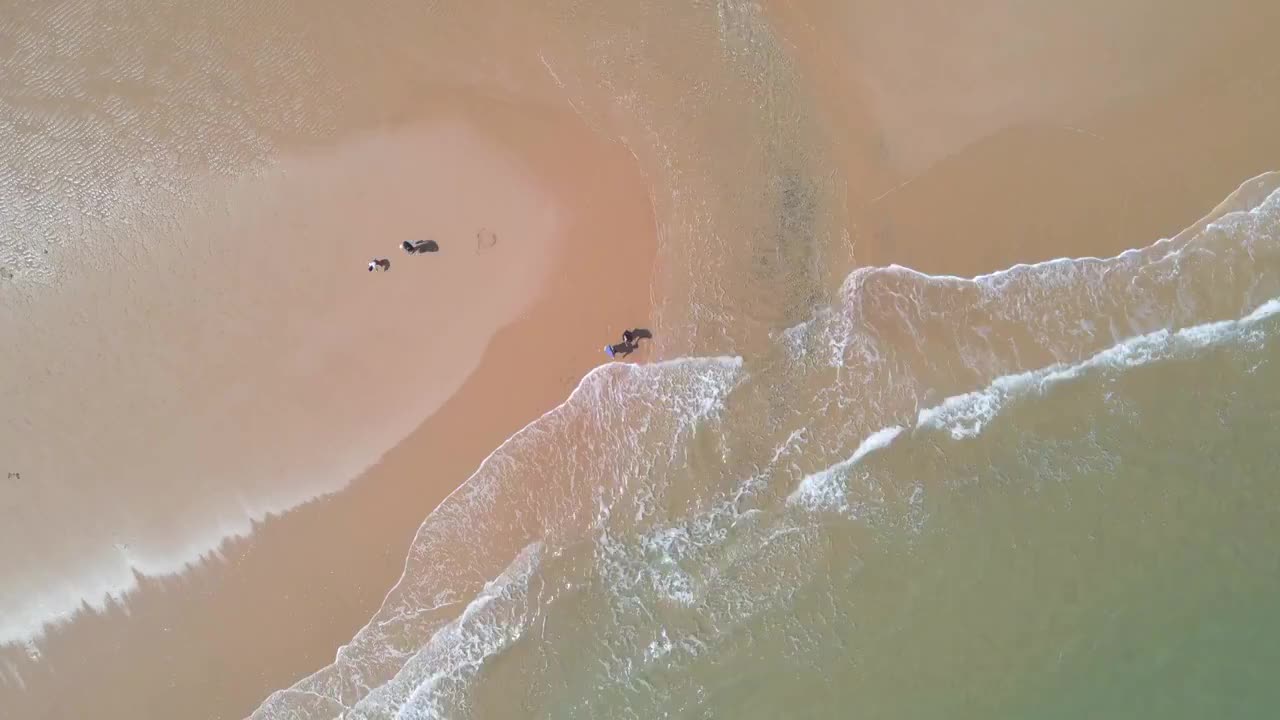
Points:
x=184, y=196
x=1044, y=492
x=186, y=188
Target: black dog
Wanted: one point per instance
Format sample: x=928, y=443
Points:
x=420, y=246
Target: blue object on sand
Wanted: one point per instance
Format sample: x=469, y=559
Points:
x=608, y=349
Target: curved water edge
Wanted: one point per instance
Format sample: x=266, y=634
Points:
x=658, y=405
x=700, y=499
x=249, y=385
x=965, y=416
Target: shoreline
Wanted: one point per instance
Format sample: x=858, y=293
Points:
x=263, y=611
x=242, y=343
x=1072, y=169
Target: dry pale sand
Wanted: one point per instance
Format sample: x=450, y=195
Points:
x=240, y=343
x=215, y=641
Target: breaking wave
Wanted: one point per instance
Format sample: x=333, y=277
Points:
x=662, y=510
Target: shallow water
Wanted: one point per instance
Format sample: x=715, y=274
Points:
x=192, y=340
x=1060, y=505
x=1045, y=491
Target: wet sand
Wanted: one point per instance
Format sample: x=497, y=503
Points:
x=1000, y=133
x=1085, y=162
x=213, y=642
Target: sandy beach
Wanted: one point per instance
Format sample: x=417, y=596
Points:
x=1092, y=137
x=273, y=606
x=961, y=142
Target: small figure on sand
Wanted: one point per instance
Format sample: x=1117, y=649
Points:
x=379, y=264
x=630, y=342
x=418, y=247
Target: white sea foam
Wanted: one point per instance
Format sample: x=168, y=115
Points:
x=714, y=569
x=825, y=489
x=697, y=563
x=899, y=340
x=495, y=619
x=1066, y=301
x=663, y=402
x=107, y=579
x=667, y=564
x=963, y=416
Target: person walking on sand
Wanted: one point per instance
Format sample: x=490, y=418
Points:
x=379, y=264
x=630, y=342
